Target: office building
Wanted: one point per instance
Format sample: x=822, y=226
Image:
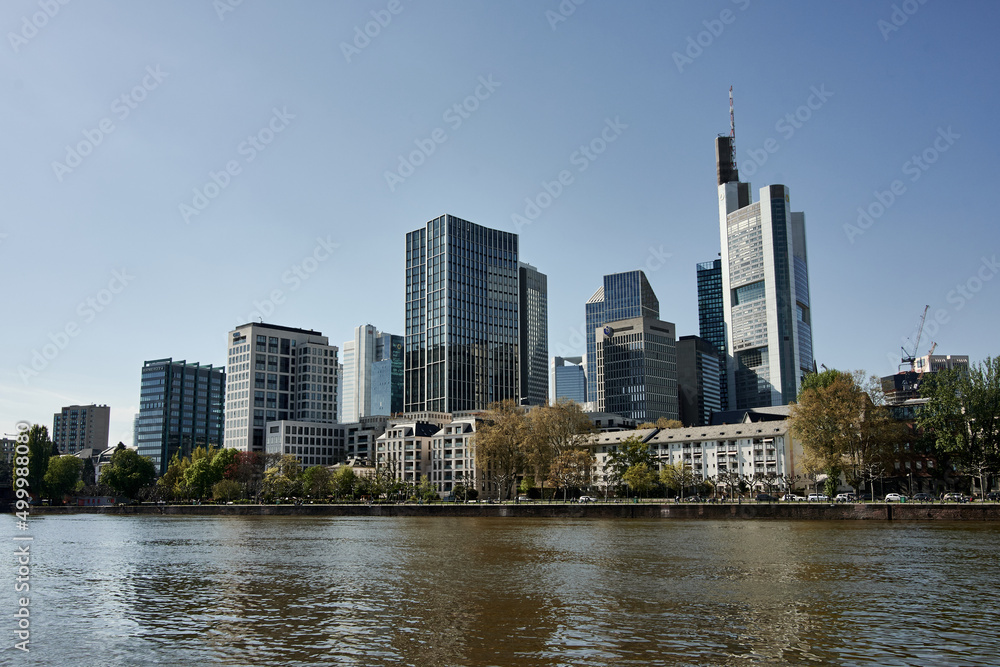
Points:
x=765, y=289
x=78, y=427
x=622, y=296
x=569, y=379
x=637, y=369
x=277, y=373
x=699, y=380
x=180, y=409
x=712, y=316
x=462, y=316
x=534, y=335
x=373, y=374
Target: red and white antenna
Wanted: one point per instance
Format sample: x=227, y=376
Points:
x=732, y=129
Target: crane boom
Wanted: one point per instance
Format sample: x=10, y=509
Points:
x=911, y=357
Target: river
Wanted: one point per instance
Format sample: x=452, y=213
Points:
x=145, y=590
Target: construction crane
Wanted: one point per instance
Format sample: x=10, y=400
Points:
x=911, y=357
x=933, y=347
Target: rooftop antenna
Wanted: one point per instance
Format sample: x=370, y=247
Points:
x=732, y=129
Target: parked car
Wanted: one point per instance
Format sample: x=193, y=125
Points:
x=694, y=499
x=586, y=499
x=821, y=497
x=524, y=499
x=923, y=497
x=765, y=498
x=845, y=498
x=993, y=495
x=791, y=498
x=865, y=497
x=895, y=498
x=955, y=498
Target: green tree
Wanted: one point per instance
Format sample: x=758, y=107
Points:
x=40, y=450
x=963, y=417
x=552, y=430
x=663, y=422
x=344, y=482
x=227, y=490
x=200, y=476
x=316, y=482
x=640, y=478
x=572, y=469
x=128, y=472
x=630, y=452
x=62, y=475
x=171, y=484
x=282, y=480
x=426, y=490
x=500, y=444
x=222, y=459
x=677, y=476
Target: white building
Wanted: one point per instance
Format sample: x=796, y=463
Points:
x=360, y=396
x=311, y=443
x=277, y=373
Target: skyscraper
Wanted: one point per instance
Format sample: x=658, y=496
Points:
x=462, y=316
x=79, y=427
x=622, y=296
x=637, y=369
x=712, y=317
x=569, y=379
x=277, y=373
x=534, y=335
x=765, y=289
x=180, y=409
x=372, y=353
x=699, y=379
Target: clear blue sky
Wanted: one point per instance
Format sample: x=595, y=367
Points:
x=331, y=116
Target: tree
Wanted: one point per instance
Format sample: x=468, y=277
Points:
x=639, y=478
x=425, y=490
x=678, y=477
x=663, y=422
x=316, y=481
x=500, y=445
x=282, y=480
x=39, y=453
x=62, y=475
x=128, y=472
x=227, y=490
x=572, y=468
x=629, y=453
x=247, y=468
x=963, y=417
x=344, y=482
x=171, y=484
x=201, y=476
x=552, y=430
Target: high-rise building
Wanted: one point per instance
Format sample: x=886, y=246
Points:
x=699, y=380
x=79, y=427
x=569, y=378
x=637, y=369
x=712, y=316
x=622, y=296
x=765, y=290
x=180, y=409
x=534, y=335
x=277, y=373
x=372, y=353
x=462, y=316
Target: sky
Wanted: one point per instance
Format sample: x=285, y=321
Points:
x=173, y=169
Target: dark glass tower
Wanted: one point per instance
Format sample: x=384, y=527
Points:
x=180, y=409
x=534, y=339
x=462, y=316
x=712, y=315
x=623, y=296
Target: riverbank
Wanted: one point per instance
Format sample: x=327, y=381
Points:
x=799, y=511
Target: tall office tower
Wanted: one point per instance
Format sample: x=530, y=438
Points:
x=637, y=369
x=712, y=316
x=361, y=358
x=569, y=378
x=180, y=409
x=277, y=373
x=533, y=293
x=765, y=289
x=135, y=430
x=78, y=427
x=699, y=380
x=461, y=350
x=623, y=296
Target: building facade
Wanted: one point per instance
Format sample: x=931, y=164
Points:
x=712, y=317
x=180, y=409
x=533, y=295
x=310, y=443
x=277, y=373
x=637, y=369
x=373, y=374
x=79, y=427
x=699, y=380
x=569, y=379
x=765, y=290
x=622, y=296
x=462, y=317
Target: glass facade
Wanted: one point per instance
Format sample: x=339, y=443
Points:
x=462, y=317
x=712, y=317
x=387, y=376
x=534, y=339
x=180, y=409
x=637, y=369
x=623, y=296
x=570, y=379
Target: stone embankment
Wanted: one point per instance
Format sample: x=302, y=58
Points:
x=784, y=511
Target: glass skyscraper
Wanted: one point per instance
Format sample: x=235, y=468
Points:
x=534, y=339
x=462, y=317
x=637, y=369
x=712, y=316
x=569, y=379
x=623, y=296
x=180, y=409
x=361, y=357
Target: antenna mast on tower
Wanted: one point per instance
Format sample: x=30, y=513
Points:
x=732, y=129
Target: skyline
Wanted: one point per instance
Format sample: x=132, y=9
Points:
x=589, y=133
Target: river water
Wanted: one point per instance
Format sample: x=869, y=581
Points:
x=144, y=590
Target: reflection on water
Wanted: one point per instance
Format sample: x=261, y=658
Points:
x=487, y=591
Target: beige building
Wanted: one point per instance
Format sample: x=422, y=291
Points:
x=79, y=427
